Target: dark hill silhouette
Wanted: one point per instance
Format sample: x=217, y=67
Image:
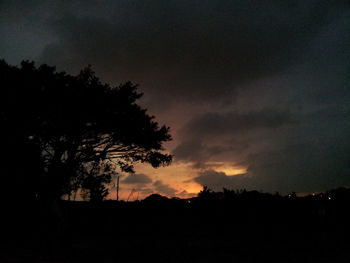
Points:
x=156, y=198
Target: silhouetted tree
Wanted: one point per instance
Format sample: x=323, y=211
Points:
x=95, y=178
x=65, y=122
x=228, y=194
x=206, y=194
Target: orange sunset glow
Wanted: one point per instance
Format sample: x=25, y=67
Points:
x=178, y=176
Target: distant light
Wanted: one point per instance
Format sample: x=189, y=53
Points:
x=313, y=194
x=329, y=198
x=31, y=137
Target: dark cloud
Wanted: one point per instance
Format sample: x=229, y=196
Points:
x=214, y=123
x=310, y=156
x=23, y=30
x=306, y=149
x=215, y=180
x=313, y=156
x=214, y=134
x=218, y=180
x=307, y=155
x=137, y=179
x=178, y=49
x=193, y=150
x=163, y=188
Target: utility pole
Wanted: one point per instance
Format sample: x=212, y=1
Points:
x=118, y=188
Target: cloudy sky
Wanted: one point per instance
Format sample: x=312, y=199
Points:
x=257, y=93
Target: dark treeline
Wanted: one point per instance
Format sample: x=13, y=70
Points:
x=233, y=226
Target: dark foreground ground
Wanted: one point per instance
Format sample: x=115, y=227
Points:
x=180, y=231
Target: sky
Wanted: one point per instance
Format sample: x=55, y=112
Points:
x=256, y=93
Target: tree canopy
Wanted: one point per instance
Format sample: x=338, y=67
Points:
x=58, y=127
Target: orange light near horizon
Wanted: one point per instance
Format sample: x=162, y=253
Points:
x=232, y=171
x=192, y=188
x=228, y=169
x=178, y=176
